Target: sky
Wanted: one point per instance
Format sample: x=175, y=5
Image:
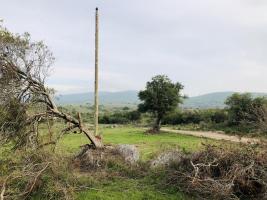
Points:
x=207, y=45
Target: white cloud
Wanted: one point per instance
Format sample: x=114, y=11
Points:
x=207, y=45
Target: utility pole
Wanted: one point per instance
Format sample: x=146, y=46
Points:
x=96, y=72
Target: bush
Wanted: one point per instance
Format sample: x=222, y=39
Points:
x=243, y=108
x=120, y=117
x=219, y=116
x=196, y=117
x=13, y=122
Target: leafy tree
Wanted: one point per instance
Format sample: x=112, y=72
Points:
x=245, y=110
x=160, y=97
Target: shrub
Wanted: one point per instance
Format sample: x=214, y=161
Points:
x=196, y=117
x=120, y=117
x=242, y=108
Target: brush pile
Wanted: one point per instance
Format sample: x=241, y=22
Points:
x=37, y=175
x=219, y=173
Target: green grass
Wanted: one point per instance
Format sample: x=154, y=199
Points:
x=148, y=145
x=126, y=189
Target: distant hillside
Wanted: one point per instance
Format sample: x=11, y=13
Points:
x=124, y=97
x=212, y=100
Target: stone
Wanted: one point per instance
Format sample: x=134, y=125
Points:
x=167, y=158
x=129, y=152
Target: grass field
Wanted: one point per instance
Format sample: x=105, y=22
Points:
x=148, y=145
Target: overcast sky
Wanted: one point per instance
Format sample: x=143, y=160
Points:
x=207, y=45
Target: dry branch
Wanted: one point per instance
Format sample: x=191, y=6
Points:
x=217, y=173
x=43, y=96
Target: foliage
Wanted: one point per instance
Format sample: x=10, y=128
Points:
x=241, y=108
x=160, y=97
x=13, y=122
x=24, y=66
x=244, y=110
x=18, y=52
x=124, y=117
x=214, y=116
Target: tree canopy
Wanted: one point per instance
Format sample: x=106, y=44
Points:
x=243, y=109
x=160, y=97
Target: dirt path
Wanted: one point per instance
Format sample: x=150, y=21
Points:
x=215, y=136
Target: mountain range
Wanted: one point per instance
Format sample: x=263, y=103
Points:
x=211, y=100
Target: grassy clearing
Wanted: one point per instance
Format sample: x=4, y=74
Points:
x=149, y=145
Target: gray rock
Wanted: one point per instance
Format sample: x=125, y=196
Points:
x=166, y=158
x=129, y=152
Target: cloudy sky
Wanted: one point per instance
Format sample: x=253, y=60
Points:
x=206, y=45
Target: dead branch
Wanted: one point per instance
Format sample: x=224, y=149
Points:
x=221, y=174
x=34, y=87
x=4, y=188
x=32, y=185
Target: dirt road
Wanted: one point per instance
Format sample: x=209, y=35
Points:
x=214, y=135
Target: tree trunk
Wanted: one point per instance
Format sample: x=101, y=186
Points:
x=157, y=125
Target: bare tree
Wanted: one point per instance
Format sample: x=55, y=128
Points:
x=24, y=66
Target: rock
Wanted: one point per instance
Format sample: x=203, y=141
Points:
x=165, y=159
x=129, y=152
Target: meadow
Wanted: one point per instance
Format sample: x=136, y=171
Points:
x=150, y=146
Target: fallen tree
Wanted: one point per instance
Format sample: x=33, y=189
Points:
x=24, y=66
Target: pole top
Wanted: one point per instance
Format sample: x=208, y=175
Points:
x=96, y=8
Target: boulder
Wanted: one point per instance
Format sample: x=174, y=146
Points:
x=167, y=158
x=129, y=152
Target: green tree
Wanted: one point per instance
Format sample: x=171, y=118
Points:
x=243, y=109
x=160, y=97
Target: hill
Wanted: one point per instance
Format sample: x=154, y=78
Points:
x=116, y=98
x=211, y=100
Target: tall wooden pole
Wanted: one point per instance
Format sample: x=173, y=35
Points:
x=96, y=72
